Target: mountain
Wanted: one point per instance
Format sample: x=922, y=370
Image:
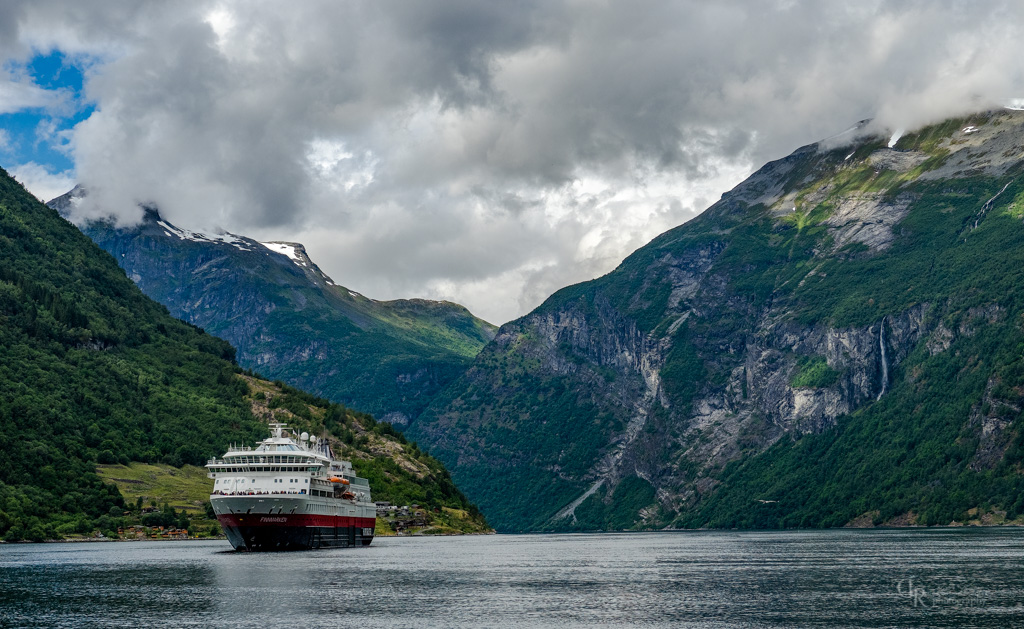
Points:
x=837, y=341
x=290, y=321
x=93, y=372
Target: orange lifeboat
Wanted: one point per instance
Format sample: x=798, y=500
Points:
x=335, y=479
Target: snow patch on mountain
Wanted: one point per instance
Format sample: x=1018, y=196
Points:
x=289, y=249
x=186, y=234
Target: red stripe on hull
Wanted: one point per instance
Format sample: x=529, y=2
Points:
x=295, y=519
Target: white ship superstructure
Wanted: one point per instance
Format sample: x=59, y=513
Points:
x=286, y=494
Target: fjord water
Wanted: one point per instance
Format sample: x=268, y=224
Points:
x=838, y=578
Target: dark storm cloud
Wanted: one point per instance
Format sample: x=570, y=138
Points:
x=489, y=152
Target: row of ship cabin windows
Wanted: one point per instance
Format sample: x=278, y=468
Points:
x=264, y=469
x=225, y=481
x=293, y=460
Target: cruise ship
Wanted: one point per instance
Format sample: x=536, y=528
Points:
x=288, y=494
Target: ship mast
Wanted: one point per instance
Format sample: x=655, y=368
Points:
x=276, y=428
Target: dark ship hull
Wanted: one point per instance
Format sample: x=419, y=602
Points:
x=255, y=532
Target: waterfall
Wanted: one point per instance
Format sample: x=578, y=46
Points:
x=885, y=362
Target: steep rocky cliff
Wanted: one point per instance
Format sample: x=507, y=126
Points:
x=290, y=321
x=837, y=340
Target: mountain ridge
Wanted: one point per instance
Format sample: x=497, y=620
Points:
x=291, y=321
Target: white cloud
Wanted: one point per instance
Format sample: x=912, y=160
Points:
x=41, y=182
x=16, y=96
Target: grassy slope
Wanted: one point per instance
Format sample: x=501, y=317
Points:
x=184, y=488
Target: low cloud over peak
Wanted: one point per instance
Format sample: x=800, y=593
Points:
x=485, y=153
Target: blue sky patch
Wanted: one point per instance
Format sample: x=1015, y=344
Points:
x=40, y=134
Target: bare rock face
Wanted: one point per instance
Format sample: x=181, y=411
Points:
x=897, y=161
x=868, y=220
x=989, y=149
x=991, y=418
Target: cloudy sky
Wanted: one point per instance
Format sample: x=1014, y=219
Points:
x=487, y=153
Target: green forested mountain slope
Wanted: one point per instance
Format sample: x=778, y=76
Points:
x=93, y=371
x=290, y=321
x=837, y=341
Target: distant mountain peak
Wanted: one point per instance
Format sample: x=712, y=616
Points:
x=291, y=321
x=150, y=214
x=67, y=201
x=239, y=242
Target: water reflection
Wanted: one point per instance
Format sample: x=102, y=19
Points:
x=939, y=578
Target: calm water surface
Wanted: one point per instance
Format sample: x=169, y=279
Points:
x=916, y=578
